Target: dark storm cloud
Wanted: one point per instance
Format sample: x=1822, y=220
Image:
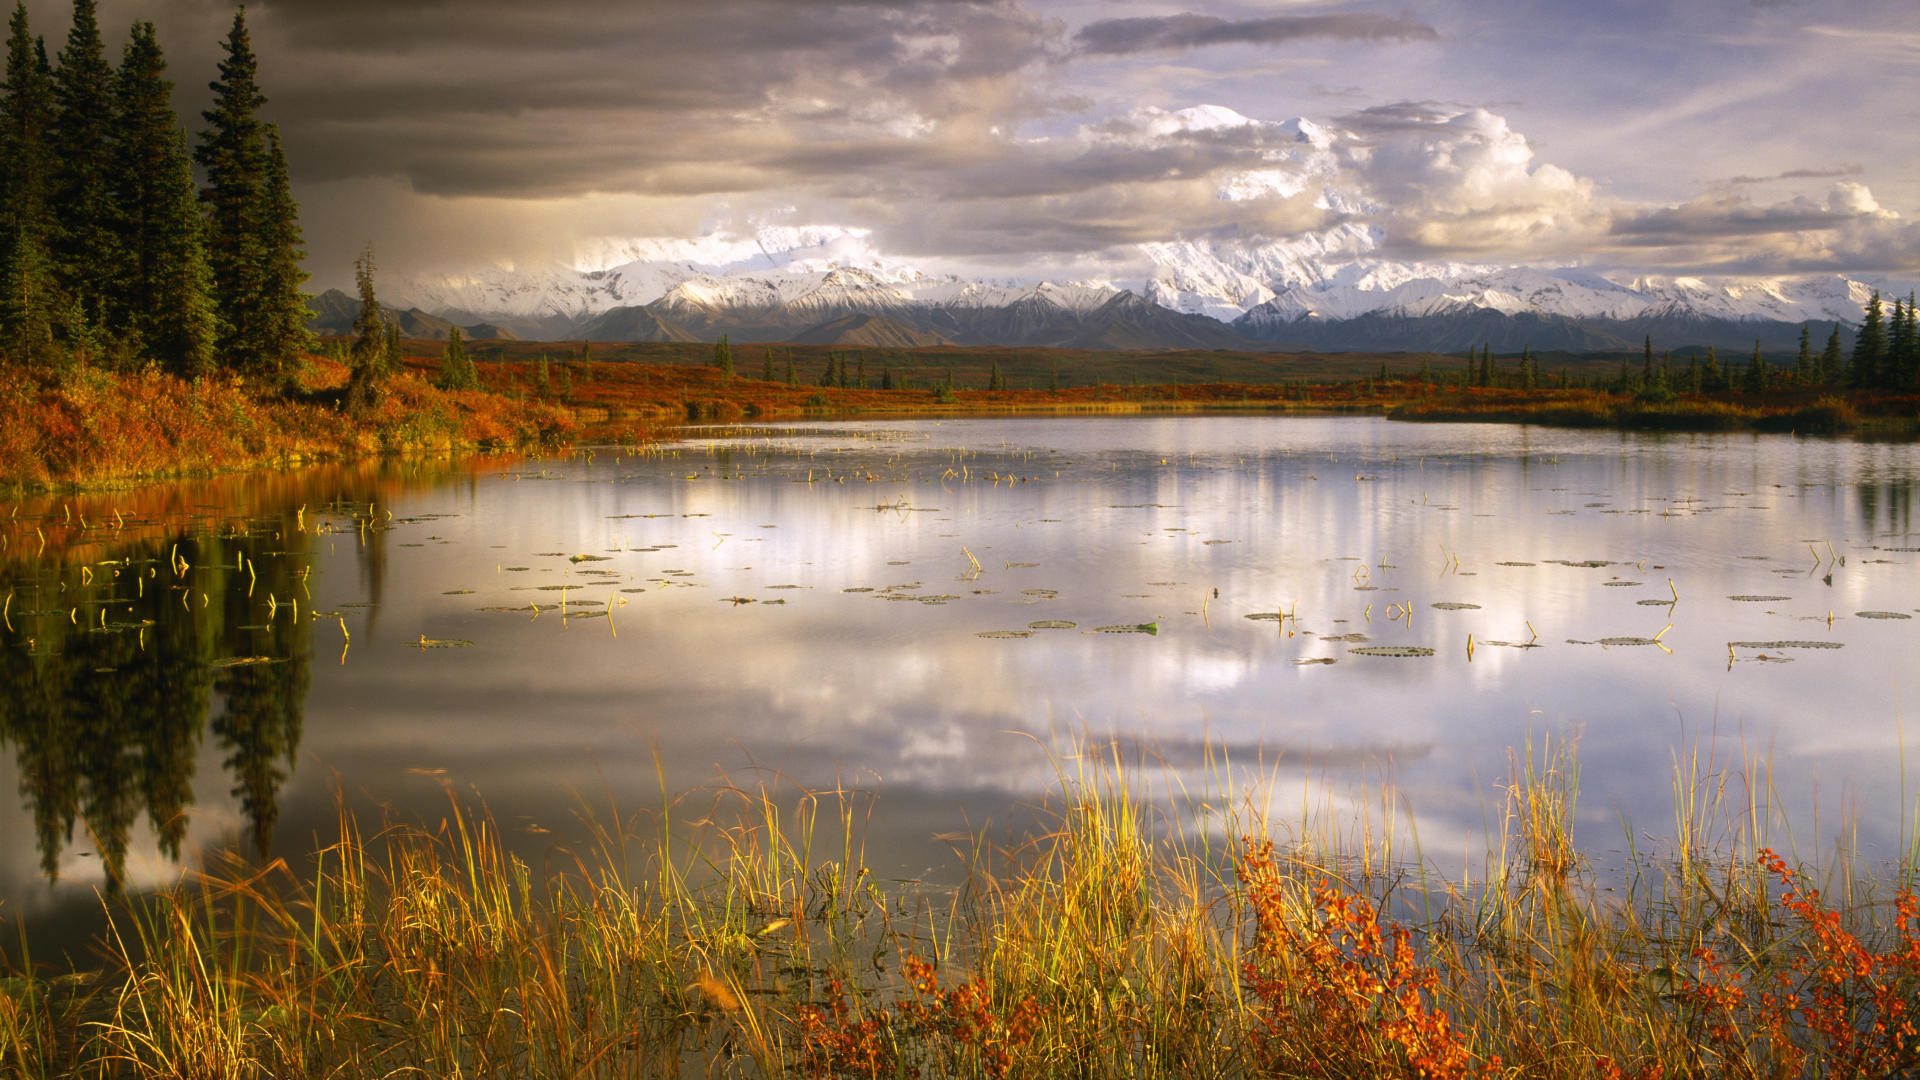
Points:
x=1854, y=169
x=492, y=97
x=1119, y=37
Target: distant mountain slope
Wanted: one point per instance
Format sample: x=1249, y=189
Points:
x=334, y=312
x=871, y=331
x=631, y=324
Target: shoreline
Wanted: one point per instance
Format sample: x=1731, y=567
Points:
x=90, y=430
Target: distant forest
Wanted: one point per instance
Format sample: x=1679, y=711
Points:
x=110, y=254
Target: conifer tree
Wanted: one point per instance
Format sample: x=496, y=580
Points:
x=827, y=376
x=1053, y=376
x=1900, y=347
x=766, y=368
x=84, y=241
x=886, y=376
x=1694, y=382
x=789, y=369
x=860, y=371
x=1426, y=372
x=994, y=381
x=1711, y=378
x=1486, y=367
x=288, y=338
x=233, y=151
x=1869, y=347
x=1803, y=362
x=723, y=358
x=1755, y=380
x=1646, y=366
x=1830, y=362
x=456, y=367
x=366, y=376
x=28, y=297
x=1666, y=370
x=392, y=358
x=159, y=297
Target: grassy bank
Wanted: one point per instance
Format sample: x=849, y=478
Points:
x=1806, y=412
x=88, y=427
x=741, y=935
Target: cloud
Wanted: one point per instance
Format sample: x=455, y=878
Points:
x=1850, y=169
x=1848, y=231
x=1119, y=37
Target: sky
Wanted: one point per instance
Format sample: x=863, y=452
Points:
x=1027, y=137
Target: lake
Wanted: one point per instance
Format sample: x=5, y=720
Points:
x=943, y=611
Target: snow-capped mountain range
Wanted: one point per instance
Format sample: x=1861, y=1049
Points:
x=1323, y=291
x=1329, y=288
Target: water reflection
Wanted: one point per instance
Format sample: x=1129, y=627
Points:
x=138, y=625
x=810, y=602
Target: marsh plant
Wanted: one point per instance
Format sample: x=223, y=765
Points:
x=737, y=931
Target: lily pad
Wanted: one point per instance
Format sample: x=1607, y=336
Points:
x=1514, y=564
x=1355, y=638
x=1134, y=628
x=1303, y=661
x=426, y=642
x=1746, y=598
x=1655, y=603
x=1881, y=615
x=1626, y=585
x=1051, y=624
x=1455, y=605
x=1391, y=650
x=1626, y=641
x=1004, y=633
x=587, y=558
x=1785, y=644
x=1268, y=616
x=457, y=592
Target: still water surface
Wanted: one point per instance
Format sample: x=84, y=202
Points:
x=901, y=605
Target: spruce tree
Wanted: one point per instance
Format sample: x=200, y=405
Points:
x=1486, y=367
x=993, y=378
x=366, y=377
x=1711, y=378
x=288, y=339
x=233, y=151
x=766, y=367
x=789, y=369
x=1755, y=381
x=159, y=297
x=1869, y=348
x=1646, y=366
x=28, y=296
x=1900, y=346
x=1830, y=362
x=456, y=368
x=723, y=358
x=860, y=371
x=886, y=375
x=85, y=240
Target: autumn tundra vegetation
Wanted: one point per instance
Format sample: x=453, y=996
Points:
x=739, y=932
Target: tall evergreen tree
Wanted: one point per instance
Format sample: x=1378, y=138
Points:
x=233, y=151
x=28, y=297
x=1830, y=359
x=1754, y=379
x=366, y=375
x=723, y=358
x=85, y=236
x=288, y=338
x=1711, y=377
x=766, y=366
x=159, y=296
x=1646, y=366
x=1803, y=363
x=456, y=367
x=1869, y=347
x=1900, y=347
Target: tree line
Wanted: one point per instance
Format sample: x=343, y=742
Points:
x=109, y=252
